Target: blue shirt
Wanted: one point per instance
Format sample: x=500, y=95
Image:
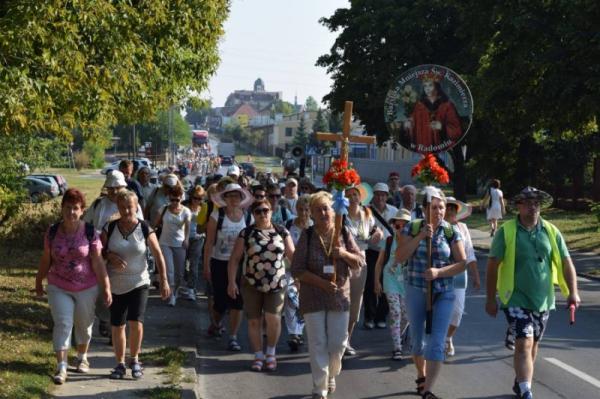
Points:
x=441, y=256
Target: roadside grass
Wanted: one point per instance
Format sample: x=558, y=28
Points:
x=88, y=181
x=172, y=392
x=26, y=355
x=171, y=359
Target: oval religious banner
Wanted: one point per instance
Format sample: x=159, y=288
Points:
x=429, y=109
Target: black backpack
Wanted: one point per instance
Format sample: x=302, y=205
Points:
x=89, y=232
x=111, y=228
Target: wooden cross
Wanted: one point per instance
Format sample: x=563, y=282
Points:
x=345, y=137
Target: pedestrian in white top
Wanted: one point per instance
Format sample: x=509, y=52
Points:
x=126, y=241
x=291, y=194
x=494, y=203
x=376, y=308
x=174, y=222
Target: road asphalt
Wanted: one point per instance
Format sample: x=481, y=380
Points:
x=567, y=365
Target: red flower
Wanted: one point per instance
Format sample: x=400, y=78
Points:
x=427, y=171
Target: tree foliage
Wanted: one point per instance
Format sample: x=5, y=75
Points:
x=311, y=104
x=301, y=135
x=531, y=66
x=283, y=107
x=91, y=64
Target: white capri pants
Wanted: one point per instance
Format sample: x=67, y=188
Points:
x=175, y=262
x=459, y=306
x=71, y=309
x=327, y=339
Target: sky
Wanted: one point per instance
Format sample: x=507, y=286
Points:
x=278, y=41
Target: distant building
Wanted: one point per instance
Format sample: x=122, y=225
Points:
x=258, y=98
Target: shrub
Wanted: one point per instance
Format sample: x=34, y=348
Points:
x=81, y=159
x=96, y=153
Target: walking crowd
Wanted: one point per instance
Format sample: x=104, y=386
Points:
x=265, y=249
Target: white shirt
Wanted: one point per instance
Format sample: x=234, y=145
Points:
x=132, y=249
x=104, y=212
x=386, y=215
x=361, y=229
x=173, y=227
x=226, y=237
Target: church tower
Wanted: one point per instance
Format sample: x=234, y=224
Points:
x=259, y=85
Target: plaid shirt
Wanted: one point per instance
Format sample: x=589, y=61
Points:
x=440, y=256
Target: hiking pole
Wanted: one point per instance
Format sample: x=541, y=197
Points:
x=429, y=305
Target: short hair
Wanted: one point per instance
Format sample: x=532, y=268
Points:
x=258, y=187
x=495, y=183
x=303, y=200
x=126, y=195
x=198, y=191
x=262, y=202
x=409, y=187
x=272, y=187
x=321, y=197
x=175, y=190
x=73, y=196
x=126, y=163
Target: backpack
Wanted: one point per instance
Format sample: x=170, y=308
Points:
x=89, y=232
x=158, y=229
x=416, y=227
x=112, y=224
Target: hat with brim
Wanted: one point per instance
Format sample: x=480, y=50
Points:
x=402, y=214
x=247, y=198
x=114, y=179
x=533, y=193
x=463, y=211
x=365, y=191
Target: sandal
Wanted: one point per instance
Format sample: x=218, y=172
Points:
x=118, y=373
x=397, y=355
x=136, y=370
x=331, y=385
x=270, y=363
x=257, y=365
x=429, y=395
x=234, y=346
x=420, y=385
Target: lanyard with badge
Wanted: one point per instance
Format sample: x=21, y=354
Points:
x=328, y=269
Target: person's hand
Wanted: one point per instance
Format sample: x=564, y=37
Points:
x=378, y=288
x=206, y=273
x=338, y=252
x=107, y=297
x=39, y=290
x=436, y=125
x=232, y=290
x=376, y=237
x=329, y=286
x=431, y=274
x=115, y=261
x=476, y=283
x=185, y=244
x=491, y=307
x=574, y=299
x=426, y=232
x=165, y=290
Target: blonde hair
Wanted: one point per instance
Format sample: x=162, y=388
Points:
x=126, y=195
x=303, y=200
x=321, y=197
x=198, y=191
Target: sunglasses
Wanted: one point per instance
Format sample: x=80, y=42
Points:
x=261, y=211
x=274, y=195
x=259, y=196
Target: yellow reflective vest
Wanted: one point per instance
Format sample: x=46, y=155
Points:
x=506, y=270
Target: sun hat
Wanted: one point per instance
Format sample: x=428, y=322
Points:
x=381, y=187
x=233, y=170
x=535, y=194
x=170, y=180
x=247, y=198
x=402, y=214
x=115, y=178
x=464, y=210
x=365, y=191
x=291, y=180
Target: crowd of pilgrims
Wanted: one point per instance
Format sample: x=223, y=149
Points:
x=263, y=248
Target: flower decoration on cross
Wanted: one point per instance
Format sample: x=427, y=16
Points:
x=341, y=176
x=429, y=171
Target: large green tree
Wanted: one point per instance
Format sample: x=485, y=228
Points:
x=88, y=64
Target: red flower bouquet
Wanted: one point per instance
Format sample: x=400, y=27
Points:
x=341, y=176
x=428, y=171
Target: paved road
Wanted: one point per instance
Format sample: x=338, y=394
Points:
x=481, y=369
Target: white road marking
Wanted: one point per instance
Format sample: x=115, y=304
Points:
x=586, y=377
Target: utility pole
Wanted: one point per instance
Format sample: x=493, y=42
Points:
x=134, y=146
x=171, y=153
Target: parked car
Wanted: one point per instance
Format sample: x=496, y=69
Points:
x=248, y=168
x=226, y=161
x=38, y=188
x=58, y=179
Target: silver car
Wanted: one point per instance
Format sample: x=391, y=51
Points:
x=39, y=188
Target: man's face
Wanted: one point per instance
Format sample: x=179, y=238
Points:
x=127, y=171
x=529, y=209
x=393, y=182
x=380, y=198
x=291, y=189
x=274, y=197
x=408, y=198
x=144, y=176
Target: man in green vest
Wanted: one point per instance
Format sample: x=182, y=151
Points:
x=527, y=258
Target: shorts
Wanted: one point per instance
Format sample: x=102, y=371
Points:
x=219, y=282
x=130, y=306
x=255, y=301
x=524, y=323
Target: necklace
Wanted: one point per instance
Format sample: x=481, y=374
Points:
x=327, y=251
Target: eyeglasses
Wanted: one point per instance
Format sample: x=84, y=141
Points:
x=274, y=195
x=259, y=196
x=175, y=199
x=261, y=211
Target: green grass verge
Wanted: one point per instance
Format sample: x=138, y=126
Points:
x=26, y=355
x=171, y=359
x=172, y=392
x=88, y=181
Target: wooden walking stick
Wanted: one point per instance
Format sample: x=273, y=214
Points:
x=429, y=305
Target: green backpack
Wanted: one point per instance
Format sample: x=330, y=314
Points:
x=416, y=227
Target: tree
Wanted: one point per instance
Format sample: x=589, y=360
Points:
x=197, y=116
x=93, y=64
x=301, y=135
x=320, y=125
x=282, y=107
x=311, y=104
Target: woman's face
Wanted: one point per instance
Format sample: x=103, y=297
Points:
x=111, y=193
x=303, y=211
x=322, y=214
x=262, y=215
x=71, y=211
x=144, y=176
x=429, y=88
x=233, y=199
x=399, y=224
x=437, y=207
x=353, y=196
x=128, y=208
x=451, y=212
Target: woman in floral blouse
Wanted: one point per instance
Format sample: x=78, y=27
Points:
x=325, y=303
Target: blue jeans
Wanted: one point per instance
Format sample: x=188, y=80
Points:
x=432, y=346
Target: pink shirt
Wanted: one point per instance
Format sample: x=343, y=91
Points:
x=71, y=264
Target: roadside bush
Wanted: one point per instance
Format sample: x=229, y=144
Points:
x=96, y=153
x=81, y=159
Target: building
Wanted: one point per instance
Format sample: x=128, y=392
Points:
x=259, y=99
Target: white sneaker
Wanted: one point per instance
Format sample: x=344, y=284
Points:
x=449, y=348
x=172, y=300
x=191, y=294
